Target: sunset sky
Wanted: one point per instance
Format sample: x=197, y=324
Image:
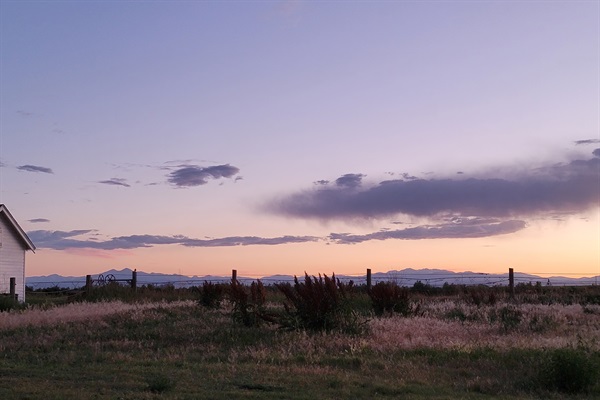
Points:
x=281, y=137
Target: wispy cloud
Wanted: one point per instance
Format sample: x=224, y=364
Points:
x=38, y=220
x=587, y=141
x=460, y=229
x=194, y=175
x=562, y=187
x=35, y=168
x=61, y=240
x=116, y=182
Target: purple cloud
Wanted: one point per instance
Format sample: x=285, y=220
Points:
x=116, y=182
x=194, y=175
x=565, y=188
x=349, y=180
x=35, y=168
x=38, y=220
x=60, y=240
x=587, y=141
x=454, y=230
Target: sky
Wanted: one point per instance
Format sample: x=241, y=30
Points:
x=278, y=137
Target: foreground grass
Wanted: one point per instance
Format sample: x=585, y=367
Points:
x=182, y=351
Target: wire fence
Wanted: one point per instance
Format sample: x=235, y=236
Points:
x=401, y=278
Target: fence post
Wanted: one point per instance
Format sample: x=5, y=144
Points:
x=88, y=284
x=511, y=282
x=13, y=287
x=233, y=276
x=134, y=280
x=368, y=279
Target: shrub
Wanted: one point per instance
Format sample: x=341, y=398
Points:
x=211, y=294
x=159, y=383
x=510, y=318
x=7, y=303
x=248, y=304
x=388, y=297
x=480, y=295
x=319, y=304
x=569, y=370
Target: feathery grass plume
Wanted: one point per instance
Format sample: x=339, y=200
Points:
x=319, y=304
x=388, y=297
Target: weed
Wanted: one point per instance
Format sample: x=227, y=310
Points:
x=248, y=305
x=319, y=304
x=388, y=297
x=541, y=323
x=211, y=294
x=510, y=318
x=159, y=383
x=7, y=303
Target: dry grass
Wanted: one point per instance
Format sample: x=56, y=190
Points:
x=450, y=349
x=78, y=312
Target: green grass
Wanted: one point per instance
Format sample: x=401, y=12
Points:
x=190, y=352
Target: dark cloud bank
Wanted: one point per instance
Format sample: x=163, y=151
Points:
x=564, y=188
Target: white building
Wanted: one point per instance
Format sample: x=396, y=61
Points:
x=13, y=245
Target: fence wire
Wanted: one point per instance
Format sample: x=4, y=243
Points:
x=408, y=279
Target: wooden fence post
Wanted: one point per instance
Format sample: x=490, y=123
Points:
x=88, y=284
x=368, y=279
x=511, y=282
x=13, y=288
x=134, y=280
x=233, y=276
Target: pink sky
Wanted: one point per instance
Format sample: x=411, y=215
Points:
x=283, y=137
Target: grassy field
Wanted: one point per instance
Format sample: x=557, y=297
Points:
x=448, y=347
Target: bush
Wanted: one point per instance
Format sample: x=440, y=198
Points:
x=159, y=383
x=248, y=304
x=570, y=370
x=480, y=295
x=510, y=318
x=7, y=303
x=211, y=294
x=388, y=297
x=319, y=304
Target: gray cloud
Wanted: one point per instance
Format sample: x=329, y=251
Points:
x=596, y=152
x=116, y=182
x=194, y=175
x=60, y=240
x=455, y=230
x=35, y=168
x=38, y=220
x=349, y=180
x=566, y=188
x=587, y=141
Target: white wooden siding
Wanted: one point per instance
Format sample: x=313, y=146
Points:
x=12, y=259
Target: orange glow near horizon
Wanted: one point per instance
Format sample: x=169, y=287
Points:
x=545, y=248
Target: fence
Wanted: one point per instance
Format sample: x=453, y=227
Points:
x=402, y=278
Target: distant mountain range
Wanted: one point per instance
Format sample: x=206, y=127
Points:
x=405, y=277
